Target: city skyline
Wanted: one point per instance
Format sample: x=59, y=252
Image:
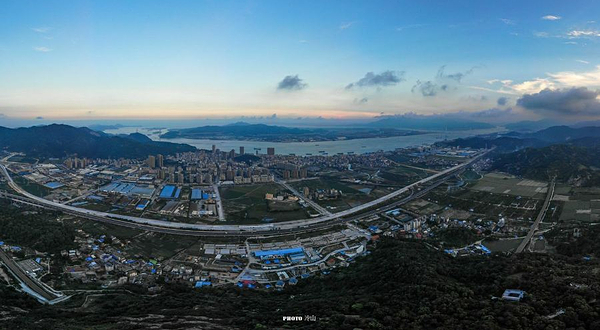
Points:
x=229, y=60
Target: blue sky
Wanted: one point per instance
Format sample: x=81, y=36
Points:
x=218, y=59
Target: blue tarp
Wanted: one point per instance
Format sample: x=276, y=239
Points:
x=280, y=252
x=200, y=284
x=54, y=185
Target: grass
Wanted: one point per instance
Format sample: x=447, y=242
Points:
x=498, y=183
x=246, y=204
x=32, y=187
x=351, y=197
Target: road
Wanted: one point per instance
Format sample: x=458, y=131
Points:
x=220, y=209
x=31, y=283
x=539, y=218
x=227, y=230
x=308, y=201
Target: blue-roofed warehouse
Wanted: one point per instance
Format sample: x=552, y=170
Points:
x=196, y=194
x=54, y=185
x=295, y=254
x=170, y=192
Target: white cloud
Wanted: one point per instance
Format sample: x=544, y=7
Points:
x=42, y=49
x=578, y=79
x=551, y=18
x=507, y=21
x=583, y=33
x=564, y=79
x=345, y=26
x=41, y=29
x=582, y=61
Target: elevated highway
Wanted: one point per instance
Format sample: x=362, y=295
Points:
x=181, y=228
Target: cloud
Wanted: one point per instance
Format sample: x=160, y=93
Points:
x=568, y=101
x=573, y=79
x=502, y=100
x=39, y=118
x=583, y=33
x=428, y=88
x=291, y=83
x=347, y=25
x=507, y=21
x=551, y=18
x=303, y=41
x=454, y=76
x=582, y=61
x=42, y=49
x=493, y=113
x=361, y=101
x=386, y=78
x=41, y=29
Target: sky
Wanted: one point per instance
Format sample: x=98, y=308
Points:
x=494, y=61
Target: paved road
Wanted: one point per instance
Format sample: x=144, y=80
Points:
x=228, y=230
x=34, y=285
x=308, y=201
x=539, y=218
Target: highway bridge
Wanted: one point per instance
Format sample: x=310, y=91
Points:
x=40, y=291
x=180, y=228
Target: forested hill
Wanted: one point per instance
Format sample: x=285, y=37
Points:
x=401, y=285
x=63, y=140
x=565, y=161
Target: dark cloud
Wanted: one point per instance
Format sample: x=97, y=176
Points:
x=361, y=101
x=572, y=101
x=443, y=82
x=39, y=118
x=453, y=76
x=274, y=116
x=477, y=98
x=492, y=113
x=428, y=88
x=502, y=100
x=386, y=78
x=291, y=83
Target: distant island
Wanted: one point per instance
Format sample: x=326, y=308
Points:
x=270, y=133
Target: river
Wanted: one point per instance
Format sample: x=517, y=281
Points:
x=314, y=148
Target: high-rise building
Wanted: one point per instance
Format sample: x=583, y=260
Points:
x=214, y=148
x=180, y=178
x=241, y=150
x=232, y=154
x=161, y=160
x=271, y=151
x=306, y=191
x=151, y=162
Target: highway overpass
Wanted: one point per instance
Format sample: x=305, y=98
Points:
x=226, y=230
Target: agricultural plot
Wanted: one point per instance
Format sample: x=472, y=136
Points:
x=352, y=194
x=246, y=204
x=499, y=183
x=487, y=204
x=583, y=204
x=404, y=175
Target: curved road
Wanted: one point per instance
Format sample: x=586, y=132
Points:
x=187, y=228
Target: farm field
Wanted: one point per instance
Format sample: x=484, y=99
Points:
x=499, y=183
x=246, y=204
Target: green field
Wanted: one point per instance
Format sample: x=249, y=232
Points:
x=499, y=183
x=246, y=204
x=583, y=205
x=352, y=196
x=32, y=187
x=403, y=175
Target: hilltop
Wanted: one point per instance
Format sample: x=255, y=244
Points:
x=63, y=140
